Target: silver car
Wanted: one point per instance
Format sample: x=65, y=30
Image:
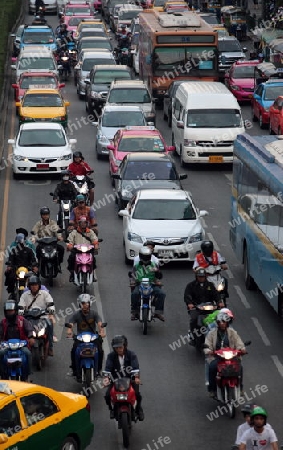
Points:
x=51, y=6
x=112, y=119
x=84, y=66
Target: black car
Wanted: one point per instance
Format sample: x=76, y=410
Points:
x=145, y=170
x=168, y=100
x=98, y=84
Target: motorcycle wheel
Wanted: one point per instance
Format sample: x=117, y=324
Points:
x=66, y=226
x=84, y=285
x=125, y=429
x=69, y=444
x=87, y=376
x=36, y=358
x=50, y=280
x=144, y=321
x=231, y=406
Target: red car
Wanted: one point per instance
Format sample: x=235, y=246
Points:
x=239, y=79
x=73, y=22
x=135, y=139
x=36, y=80
x=276, y=117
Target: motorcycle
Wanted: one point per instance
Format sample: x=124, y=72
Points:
x=15, y=360
x=122, y=56
x=21, y=282
x=40, y=348
x=48, y=259
x=63, y=215
x=64, y=63
x=123, y=400
x=87, y=356
x=220, y=282
x=228, y=379
x=80, y=183
x=147, y=307
x=84, y=266
x=204, y=310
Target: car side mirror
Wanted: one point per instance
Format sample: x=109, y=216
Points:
x=12, y=35
x=87, y=81
x=95, y=124
x=180, y=124
x=13, y=66
x=183, y=176
x=14, y=86
x=61, y=85
x=124, y=213
x=11, y=141
x=171, y=148
x=18, y=104
x=73, y=141
x=203, y=213
x=3, y=438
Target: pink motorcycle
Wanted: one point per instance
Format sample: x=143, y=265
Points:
x=84, y=266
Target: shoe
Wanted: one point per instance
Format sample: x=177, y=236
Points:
x=55, y=339
x=50, y=352
x=140, y=414
x=79, y=378
x=71, y=278
x=212, y=394
x=160, y=317
x=112, y=414
x=134, y=316
x=192, y=342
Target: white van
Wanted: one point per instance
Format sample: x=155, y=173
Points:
x=206, y=119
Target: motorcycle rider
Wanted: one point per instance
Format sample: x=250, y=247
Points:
x=85, y=319
x=21, y=255
x=80, y=167
x=259, y=436
x=117, y=361
x=14, y=326
x=28, y=242
x=39, y=4
x=154, y=259
x=147, y=269
x=246, y=410
x=35, y=297
x=64, y=191
x=82, y=210
x=64, y=60
x=198, y=291
x=47, y=227
x=39, y=20
x=82, y=235
x=220, y=337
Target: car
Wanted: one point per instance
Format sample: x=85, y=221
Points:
x=135, y=139
x=125, y=15
x=87, y=62
x=77, y=8
x=43, y=105
x=135, y=31
x=167, y=217
x=124, y=92
x=158, y=5
x=145, y=169
x=94, y=42
x=221, y=30
x=85, y=25
x=276, y=117
x=240, y=79
x=229, y=51
x=17, y=39
x=33, y=416
x=173, y=6
x=113, y=18
x=72, y=22
x=210, y=18
x=264, y=96
x=92, y=32
x=51, y=6
x=168, y=101
x=107, y=8
x=35, y=59
x=38, y=35
x=41, y=148
x=33, y=80
x=99, y=82
x=111, y=119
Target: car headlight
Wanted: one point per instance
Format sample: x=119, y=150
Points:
x=133, y=237
x=126, y=194
x=189, y=143
x=234, y=87
x=65, y=157
x=20, y=158
x=41, y=332
x=95, y=94
x=102, y=138
x=196, y=238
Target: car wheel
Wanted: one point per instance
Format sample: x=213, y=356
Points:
x=261, y=124
x=183, y=164
x=270, y=129
x=70, y=444
x=254, y=116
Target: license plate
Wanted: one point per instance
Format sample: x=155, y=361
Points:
x=216, y=159
x=167, y=253
x=42, y=166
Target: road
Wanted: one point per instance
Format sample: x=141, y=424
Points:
x=175, y=400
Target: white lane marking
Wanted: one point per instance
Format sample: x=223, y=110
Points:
x=261, y=331
x=229, y=176
x=242, y=297
x=229, y=273
x=278, y=364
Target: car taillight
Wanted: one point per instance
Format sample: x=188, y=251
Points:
x=63, y=118
x=88, y=407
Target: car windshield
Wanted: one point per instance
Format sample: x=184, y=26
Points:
x=154, y=170
x=85, y=26
x=128, y=15
x=141, y=144
x=76, y=10
x=164, y=210
x=243, y=72
x=212, y=20
x=129, y=95
x=159, y=3
x=38, y=38
x=214, y=118
x=228, y=46
x=183, y=59
x=42, y=100
x=92, y=33
x=42, y=138
x=89, y=63
x=34, y=82
x=36, y=63
x=74, y=21
x=272, y=92
x=121, y=119
x=107, y=76
x=95, y=44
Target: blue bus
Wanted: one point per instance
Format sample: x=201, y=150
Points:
x=256, y=226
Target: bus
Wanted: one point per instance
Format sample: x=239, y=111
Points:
x=177, y=46
x=256, y=227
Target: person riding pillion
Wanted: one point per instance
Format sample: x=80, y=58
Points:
x=208, y=256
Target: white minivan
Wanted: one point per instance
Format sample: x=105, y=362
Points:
x=206, y=119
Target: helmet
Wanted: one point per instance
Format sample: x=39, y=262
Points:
x=123, y=26
x=34, y=280
x=83, y=298
x=20, y=238
x=37, y=18
x=44, y=210
x=247, y=409
x=80, y=198
x=10, y=305
x=23, y=231
x=228, y=312
x=223, y=317
x=77, y=155
x=82, y=219
x=207, y=248
x=65, y=174
x=145, y=255
x=258, y=411
x=200, y=272
x=119, y=341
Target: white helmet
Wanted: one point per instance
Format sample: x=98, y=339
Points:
x=228, y=312
x=84, y=298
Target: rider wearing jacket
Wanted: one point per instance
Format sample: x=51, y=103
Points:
x=118, y=363
x=65, y=190
x=39, y=4
x=80, y=167
x=35, y=297
x=28, y=243
x=82, y=210
x=14, y=326
x=208, y=256
x=198, y=291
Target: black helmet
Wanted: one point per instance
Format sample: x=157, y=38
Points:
x=77, y=155
x=65, y=174
x=44, y=210
x=200, y=272
x=119, y=341
x=10, y=305
x=247, y=409
x=207, y=248
x=145, y=255
x=34, y=280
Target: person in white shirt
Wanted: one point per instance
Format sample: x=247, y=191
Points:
x=246, y=410
x=154, y=259
x=259, y=437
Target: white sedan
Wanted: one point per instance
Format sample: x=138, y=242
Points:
x=167, y=217
x=41, y=148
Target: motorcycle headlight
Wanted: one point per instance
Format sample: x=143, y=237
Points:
x=95, y=94
x=41, y=332
x=22, y=274
x=84, y=249
x=14, y=345
x=65, y=157
x=127, y=194
x=196, y=238
x=221, y=286
x=133, y=237
x=122, y=396
x=20, y=158
x=66, y=207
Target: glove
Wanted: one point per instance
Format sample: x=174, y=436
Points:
x=21, y=310
x=51, y=309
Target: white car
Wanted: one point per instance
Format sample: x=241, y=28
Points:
x=167, y=217
x=51, y=6
x=41, y=148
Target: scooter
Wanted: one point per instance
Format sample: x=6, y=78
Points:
x=220, y=282
x=21, y=282
x=63, y=215
x=48, y=259
x=40, y=348
x=15, y=360
x=124, y=402
x=84, y=266
x=80, y=183
x=87, y=356
x=147, y=308
x=204, y=310
x=64, y=72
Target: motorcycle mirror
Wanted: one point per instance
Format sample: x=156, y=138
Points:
x=51, y=193
x=32, y=232
x=100, y=240
x=104, y=325
x=247, y=343
x=68, y=325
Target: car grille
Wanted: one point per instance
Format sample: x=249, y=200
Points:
x=39, y=160
x=248, y=89
x=206, y=155
x=50, y=169
x=167, y=241
x=215, y=144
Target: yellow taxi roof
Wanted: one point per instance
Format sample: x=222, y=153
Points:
x=43, y=91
